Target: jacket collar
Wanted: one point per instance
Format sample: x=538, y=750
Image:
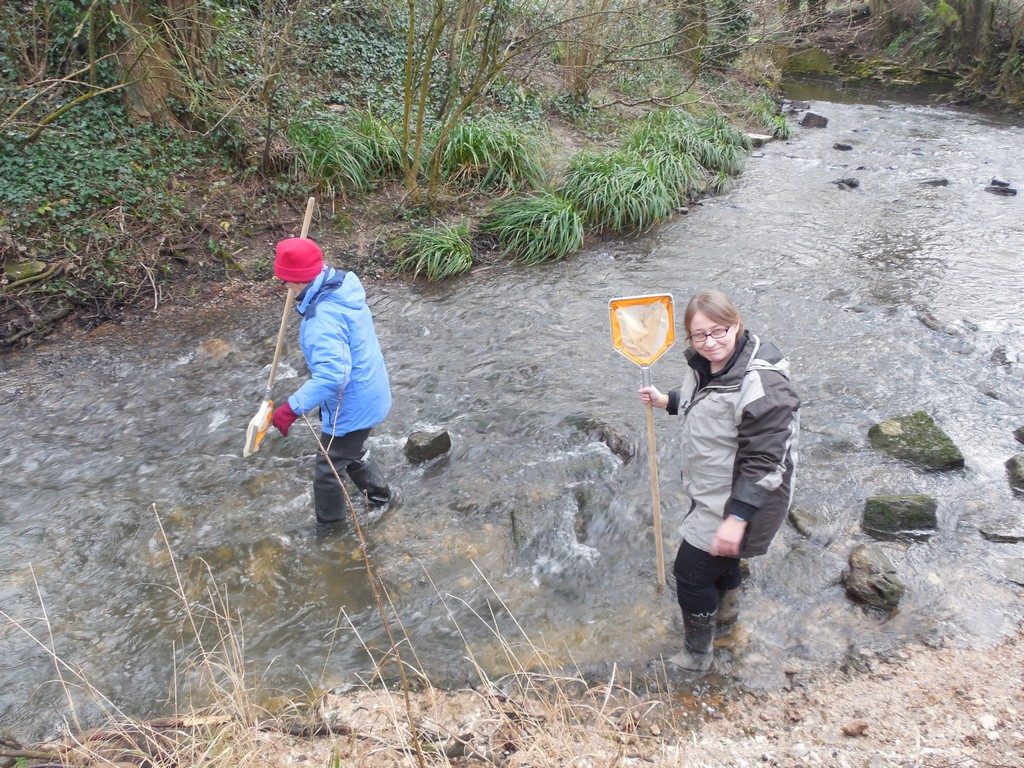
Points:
x=327, y=280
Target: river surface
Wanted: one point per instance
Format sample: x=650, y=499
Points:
x=532, y=537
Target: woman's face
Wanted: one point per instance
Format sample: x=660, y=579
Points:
x=702, y=335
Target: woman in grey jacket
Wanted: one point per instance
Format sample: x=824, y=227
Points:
x=740, y=423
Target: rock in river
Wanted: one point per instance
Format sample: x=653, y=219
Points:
x=427, y=444
x=872, y=579
x=916, y=438
x=1015, y=470
x=910, y=515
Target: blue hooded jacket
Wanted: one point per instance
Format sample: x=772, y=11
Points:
x=348, y=380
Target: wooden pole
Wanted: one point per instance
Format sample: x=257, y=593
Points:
x=652, y=461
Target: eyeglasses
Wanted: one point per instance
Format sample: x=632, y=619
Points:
x=716, y=333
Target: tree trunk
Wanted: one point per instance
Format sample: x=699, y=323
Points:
x=146, y=61
x=1015, y=37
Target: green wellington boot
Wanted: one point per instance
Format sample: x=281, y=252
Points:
x=696, y=655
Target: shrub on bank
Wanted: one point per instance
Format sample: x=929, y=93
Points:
x=535, y=228
x=710, y=141
x=490, y=153
x=439, y=252
x=617, y=191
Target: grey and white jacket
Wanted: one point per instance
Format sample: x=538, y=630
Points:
x=739, y=442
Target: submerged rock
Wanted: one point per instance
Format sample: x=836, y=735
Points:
x=426, y=444
x=911, y=515
x=1003, y=530
x=916, y=438
x=842, y=146
x=935, y=183
x=847, y=182
x=810, y=524
x=1015, y=471
x=1015, y=570
x=1004, y=191
x=799, y=106
x=872, y=579
x=604, y=432
x=1019, y=434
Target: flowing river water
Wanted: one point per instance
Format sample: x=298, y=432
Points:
x=888, y=298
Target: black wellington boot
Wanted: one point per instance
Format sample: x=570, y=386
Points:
x=696, y=655
x=728, y=606
x=370, y=480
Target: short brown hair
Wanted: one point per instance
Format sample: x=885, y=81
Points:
x=717, y=306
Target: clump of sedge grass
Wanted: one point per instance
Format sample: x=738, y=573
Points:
x=766, y=113
x=439, y=252
x=490, y=153
x=710, y=141
x=535, y=228
x=617, y=191
x=345, y=155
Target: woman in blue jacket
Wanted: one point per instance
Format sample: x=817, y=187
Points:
x=348, y=381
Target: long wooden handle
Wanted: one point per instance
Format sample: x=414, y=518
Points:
x=652, y=460
x=308, y=218
x=280, y=339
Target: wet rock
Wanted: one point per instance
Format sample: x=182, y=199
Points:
x=810, y=524
x=1015, y=570
x=1004, y=191
x=855, y=728
x=215, y=348
x=1015, y=472
x=814, y=120
x=916, y=438
x=931, y=321
x=842, y=146
x=911, y=515
x=997, y=182
x=872, y=579
x=935, y=183
x=1019, y=434
x=847, y=182
x=799, y=106
x=604, y=432
x=426, y=444
x=758, y=140
x=1003, y=530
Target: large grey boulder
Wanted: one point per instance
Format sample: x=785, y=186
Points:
x=872, y=579
x=910, y=515
x=814, y=120
x=426, y=444
x=916, y=438
x=1015, y=471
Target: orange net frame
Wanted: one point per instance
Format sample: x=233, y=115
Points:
x=643, y=327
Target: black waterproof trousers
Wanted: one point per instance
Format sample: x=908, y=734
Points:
x=347, y=454
x=701, y=578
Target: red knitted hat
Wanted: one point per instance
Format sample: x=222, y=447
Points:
x=298, y=260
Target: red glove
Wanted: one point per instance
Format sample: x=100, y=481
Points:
x=283, y=418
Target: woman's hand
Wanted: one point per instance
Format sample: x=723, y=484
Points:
x=653, y=396
x=728, y=537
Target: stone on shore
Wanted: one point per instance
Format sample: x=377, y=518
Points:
x=910, y=515
x=426, y=444
x=758, y=140
x=814, y=120
x=872, y=579
x=915, y=438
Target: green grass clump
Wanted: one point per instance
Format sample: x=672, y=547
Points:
x=332, y=154
x=766, y=113
x=490, y=153
x=346, y=155
x=617, y=191
x=710, y=141
x=438, y=252
x=535, y=228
